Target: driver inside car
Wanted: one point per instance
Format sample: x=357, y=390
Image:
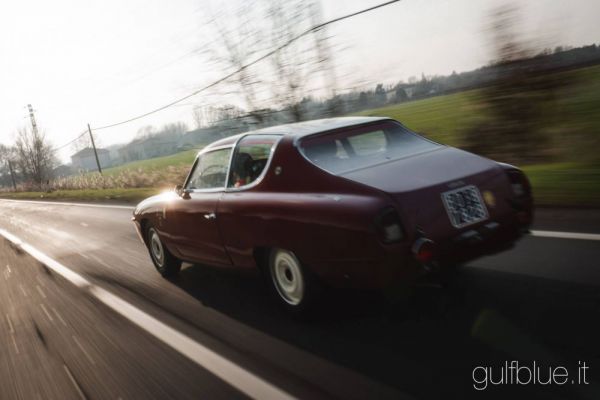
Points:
x=241, y=171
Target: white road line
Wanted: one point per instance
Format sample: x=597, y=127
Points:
x=59, y=203
x=83, y=224
x=83, y=350
x=15, y=344
x=10, y=325
x=60, y=269
x=23, y=290
x=100, y=261
x=46, y=312
x=39, y=289
x=74, y=382
x=8, y=268
x=59, y=316
x=238, y=377
x=566, y=235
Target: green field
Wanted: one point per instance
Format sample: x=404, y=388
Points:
x=441, y=118
x=572, y=180
x=446, y=118
x=176, y=160
x=565, y=184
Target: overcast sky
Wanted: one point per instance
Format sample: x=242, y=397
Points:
x=105, y=61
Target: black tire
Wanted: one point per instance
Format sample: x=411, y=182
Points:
x=293, y=286
x=165, y=263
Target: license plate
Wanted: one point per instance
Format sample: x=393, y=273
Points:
x=464, y=206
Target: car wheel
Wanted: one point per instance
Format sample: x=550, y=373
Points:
x=292, y=284
x=165, y=262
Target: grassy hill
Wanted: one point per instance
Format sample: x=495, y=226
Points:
x=441, y=118
x=184, y=158
x=446, y=118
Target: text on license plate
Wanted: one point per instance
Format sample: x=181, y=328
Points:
x=464, y=206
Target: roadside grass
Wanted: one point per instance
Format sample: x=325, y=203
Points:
x=565, y=184
x=132, y=196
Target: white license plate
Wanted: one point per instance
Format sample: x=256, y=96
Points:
x=464, y=206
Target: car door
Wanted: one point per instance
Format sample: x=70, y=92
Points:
x=193, y=217
x=241, y=210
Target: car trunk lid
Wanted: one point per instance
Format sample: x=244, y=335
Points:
x=417, y=183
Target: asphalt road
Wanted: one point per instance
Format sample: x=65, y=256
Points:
x=118, y=330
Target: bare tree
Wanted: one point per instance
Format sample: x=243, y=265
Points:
x=145, y=132
x=35, y=156
x=519, y=99
x=198, y=117
x=285, y=79
x=211, y=115
x=7, y=166
x=174, y=129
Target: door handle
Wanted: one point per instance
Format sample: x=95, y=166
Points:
x=210, y=216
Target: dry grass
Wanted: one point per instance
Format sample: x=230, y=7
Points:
x=126, y=179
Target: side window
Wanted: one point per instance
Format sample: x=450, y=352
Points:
x=210, y=170
x=250, y=159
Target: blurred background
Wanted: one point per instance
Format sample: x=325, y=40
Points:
x=515, y=81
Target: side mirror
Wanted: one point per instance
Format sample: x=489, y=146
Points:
x=183, y=193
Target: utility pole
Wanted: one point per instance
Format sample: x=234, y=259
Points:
x=12, y=175
x=33, y=124
x=94, y=147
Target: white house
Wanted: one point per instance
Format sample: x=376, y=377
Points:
x=86, y=160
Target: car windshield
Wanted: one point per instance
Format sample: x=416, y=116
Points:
x=210, y=170
x=363, y=146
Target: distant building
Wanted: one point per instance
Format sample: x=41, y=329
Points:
x=86, y=160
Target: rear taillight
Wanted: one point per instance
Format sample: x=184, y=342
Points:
x=519, y=183
x=424, y=250
x=388, y=226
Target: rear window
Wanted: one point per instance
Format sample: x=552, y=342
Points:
x=360, y=147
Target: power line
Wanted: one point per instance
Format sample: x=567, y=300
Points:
x=72, y=141
x=242, y=68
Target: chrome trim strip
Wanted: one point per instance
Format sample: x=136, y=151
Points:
x=233, y=149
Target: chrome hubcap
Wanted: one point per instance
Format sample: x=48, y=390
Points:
x=287, y=277
x=156, y=248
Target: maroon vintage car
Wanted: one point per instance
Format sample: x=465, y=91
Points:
x=355, y=202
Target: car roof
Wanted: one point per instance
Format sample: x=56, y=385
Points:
x=300, y=129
